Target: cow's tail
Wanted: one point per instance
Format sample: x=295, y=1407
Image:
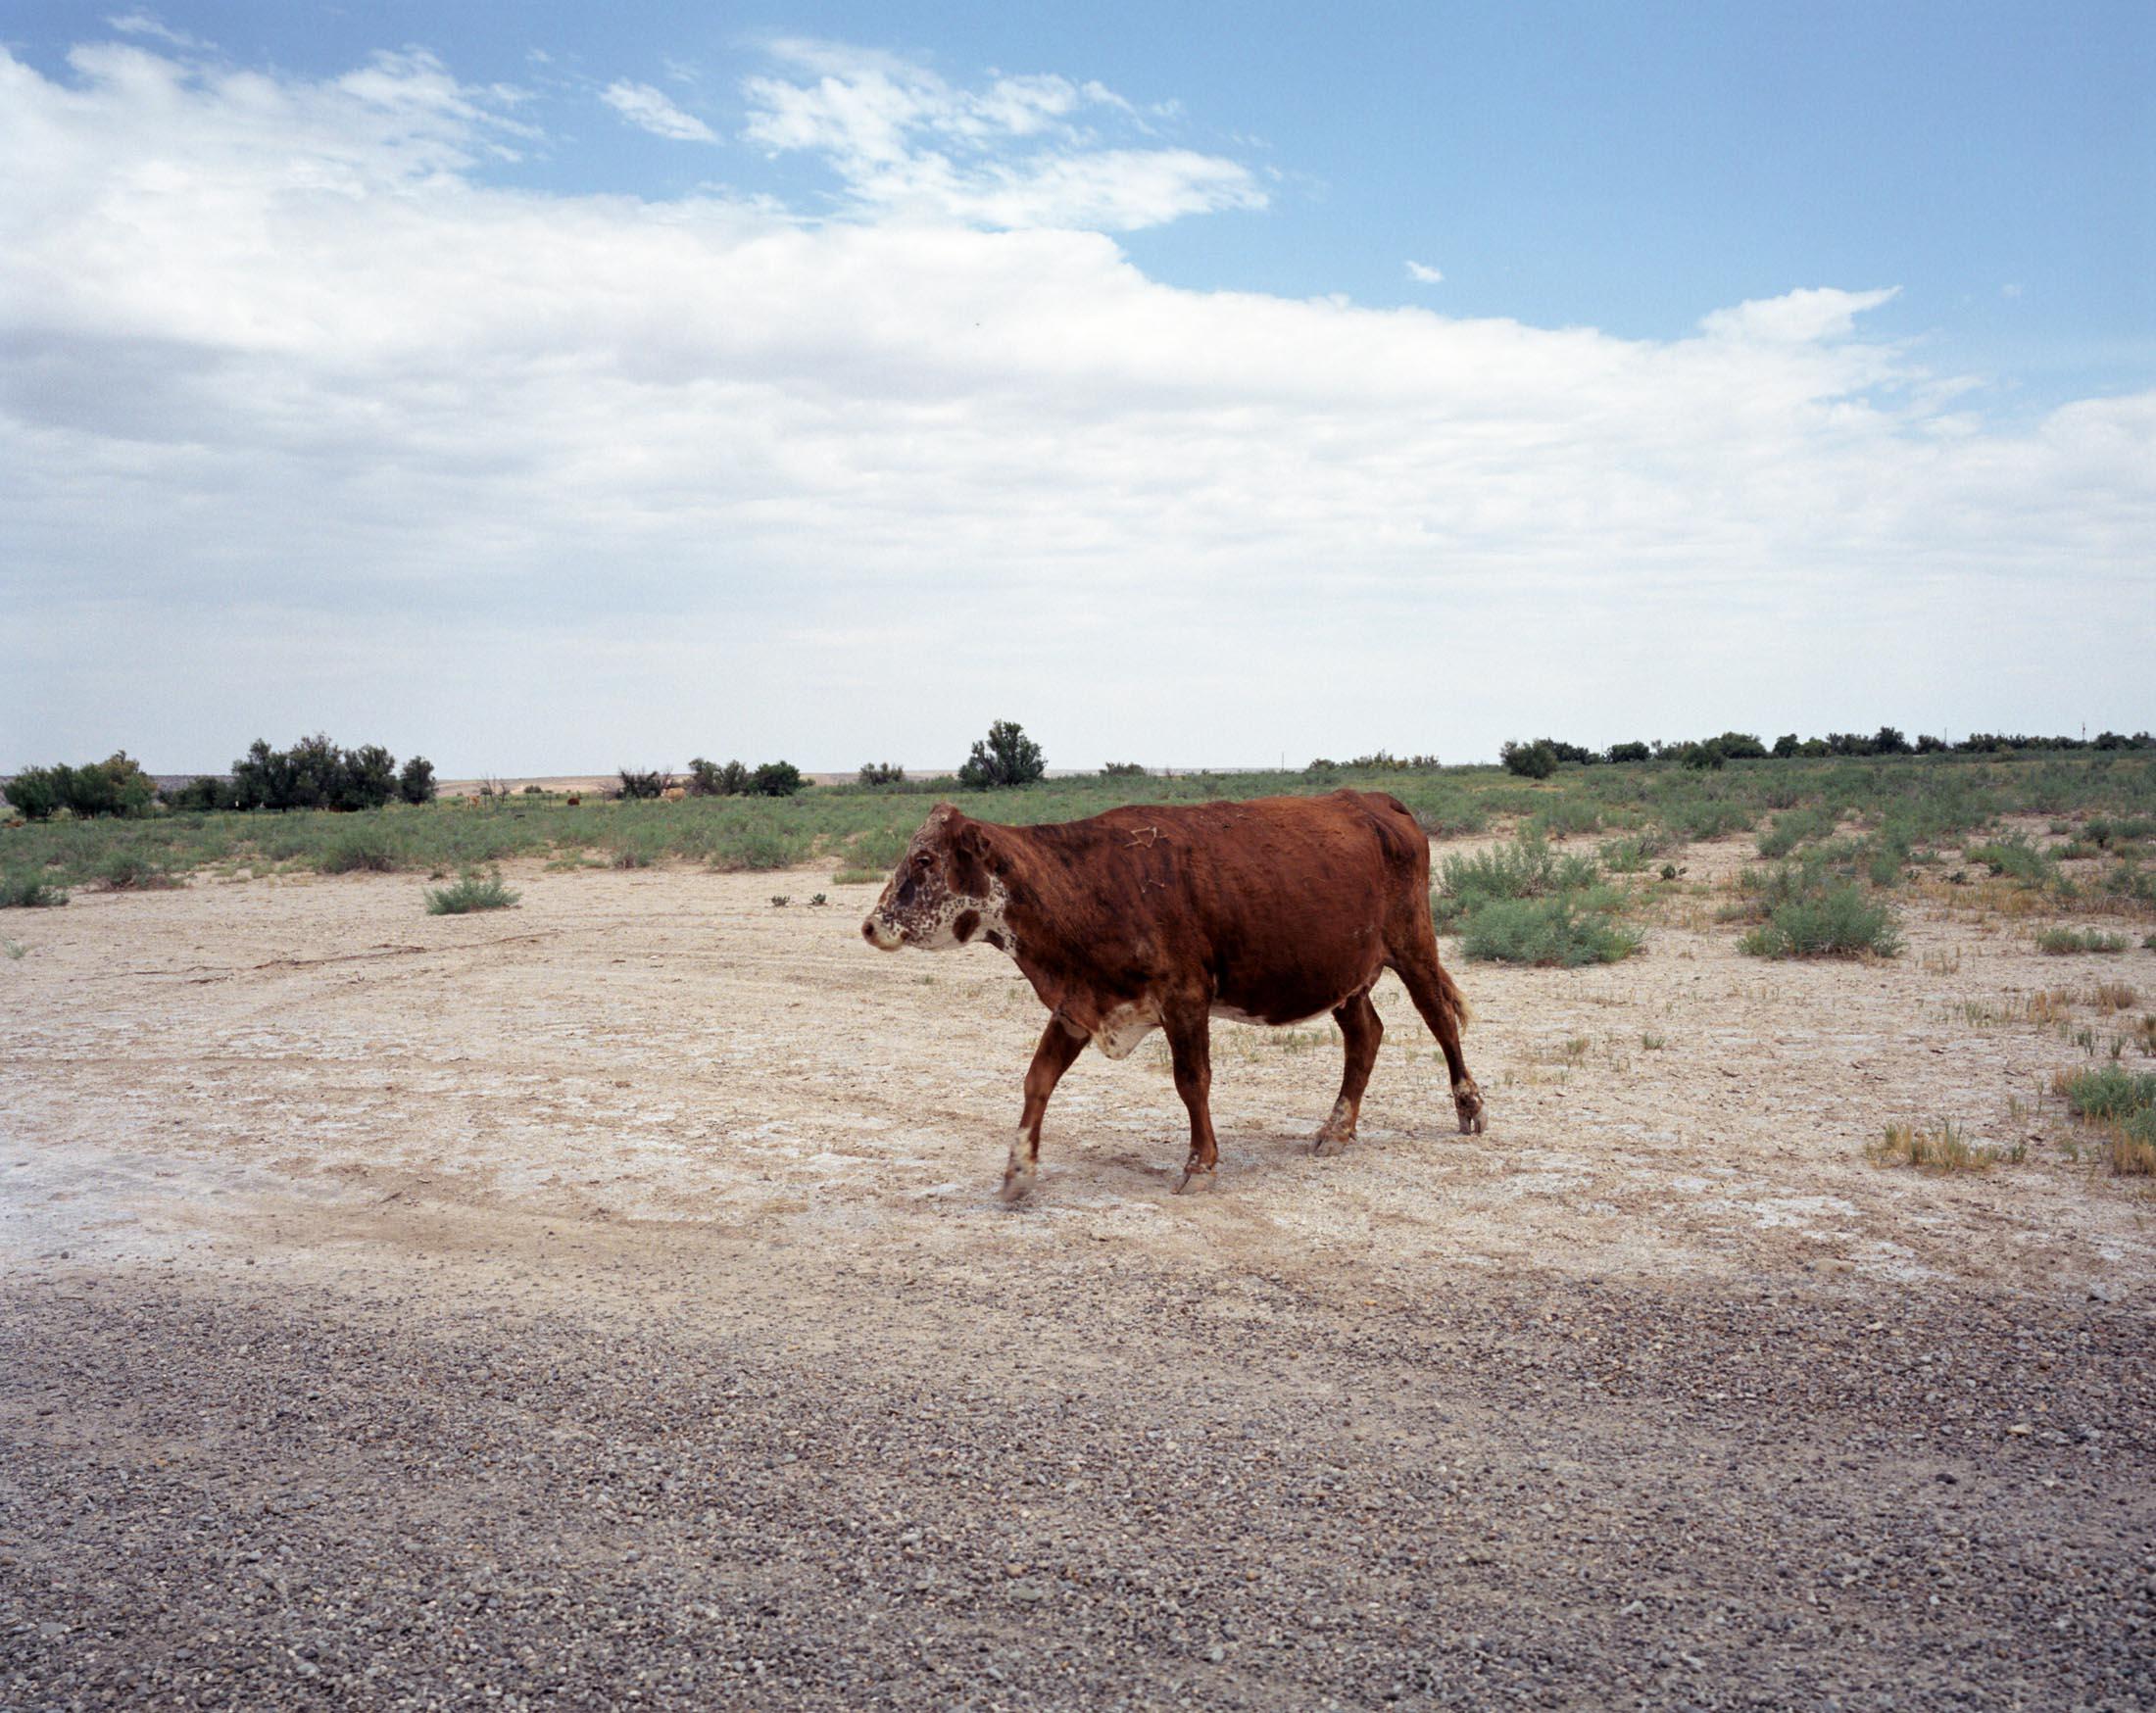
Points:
x=1455, y=1002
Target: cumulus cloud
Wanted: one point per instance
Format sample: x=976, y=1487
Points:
x=649, y=110
x=1020, y=151
x=1424, y=274
x=540, y=481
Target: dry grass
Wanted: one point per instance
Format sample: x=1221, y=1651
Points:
x=2109, y=997
x=1944, y=1148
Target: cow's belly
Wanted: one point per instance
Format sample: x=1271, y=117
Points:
x=1294, y=997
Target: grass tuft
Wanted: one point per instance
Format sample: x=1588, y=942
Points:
x=1946, y=1148
x=474, y=891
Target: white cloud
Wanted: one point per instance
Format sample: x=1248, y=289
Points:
x=1796, y=317
x=1016, y=153
x=649, y=110
x=1416, y=271
x=310, y=426
x=141, y=22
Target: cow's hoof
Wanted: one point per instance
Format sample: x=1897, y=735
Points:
x=1017, y=1186
x=1195, y=1183
x=1470, y=1110
x=1331, y=1142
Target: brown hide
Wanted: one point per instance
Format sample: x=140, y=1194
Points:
x=1272, y=911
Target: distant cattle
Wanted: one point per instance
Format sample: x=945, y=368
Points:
x=673, y=794
x=1272, y=911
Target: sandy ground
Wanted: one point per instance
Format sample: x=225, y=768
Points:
x=651, y=1136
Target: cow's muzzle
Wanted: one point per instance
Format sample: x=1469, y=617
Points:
x=882, y=935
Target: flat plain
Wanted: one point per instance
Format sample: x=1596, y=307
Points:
x=606, y=1302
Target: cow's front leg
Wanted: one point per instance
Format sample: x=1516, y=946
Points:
x=1059, y=1048
x=1190, y=1046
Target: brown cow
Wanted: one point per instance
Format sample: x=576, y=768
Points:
x=1272, y=911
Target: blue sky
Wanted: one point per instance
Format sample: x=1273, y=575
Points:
x=1611, y=370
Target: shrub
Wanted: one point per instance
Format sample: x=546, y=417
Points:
x=1564, y=931
x=1795, y=827
x=1635, y=852
x=1567, y=814
x=37, y=791
x=1629, y=752
x=638, y=786
x=713, y=780
x=1123, y=770
x=1525, y=868
x=416, y=784
x=1007, y=756
x=1836, y=921
x=1704, y=817
x=474, y=891
x=366, y=847
x=24, y=889
x=759, y=845
x=129, y=870
x=2015, y=857
x=882, y=773
x=2064, y=942
x=1534, y=760
x=775, y=779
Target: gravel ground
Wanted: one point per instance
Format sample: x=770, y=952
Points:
x=644, y=1468
x=608, y=1304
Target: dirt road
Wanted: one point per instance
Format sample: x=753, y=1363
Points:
x=607, y=1303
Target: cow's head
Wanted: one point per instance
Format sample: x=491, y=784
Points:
x=944, y=890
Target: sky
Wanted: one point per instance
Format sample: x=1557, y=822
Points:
x=549, y=388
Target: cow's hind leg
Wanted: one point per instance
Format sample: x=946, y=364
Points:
x=1189, y=1044
x=1362, y=1029
x=1059, y=1048
x=1439, y=1000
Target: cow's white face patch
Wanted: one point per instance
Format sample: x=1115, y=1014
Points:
x=1118, y=1034
x=921, y=907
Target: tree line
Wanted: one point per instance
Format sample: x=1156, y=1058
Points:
x=1540, y=758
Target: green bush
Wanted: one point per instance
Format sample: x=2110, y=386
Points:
x=1836, y=921
x=1704, y=817
x=24, y=889
x=775, y=779
x=1534, y=761
x=2064, y=942
x=875, y=773
x=2109, y=1092
x=416, y=784
x=1795, y=827
x=133, y=870
x=37, y=792
x=472, y=892
x=2016, y=858
x=1565, y=931
x=1525, y=868
x=363, y=847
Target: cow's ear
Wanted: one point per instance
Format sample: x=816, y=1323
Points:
x=971, y=840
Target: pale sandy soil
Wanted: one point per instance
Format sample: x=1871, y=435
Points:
x=606, y=1302
x=181, y=1070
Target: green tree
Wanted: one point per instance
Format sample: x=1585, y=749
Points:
x=776, y=779
x=1007, y=756
x=416, y=784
